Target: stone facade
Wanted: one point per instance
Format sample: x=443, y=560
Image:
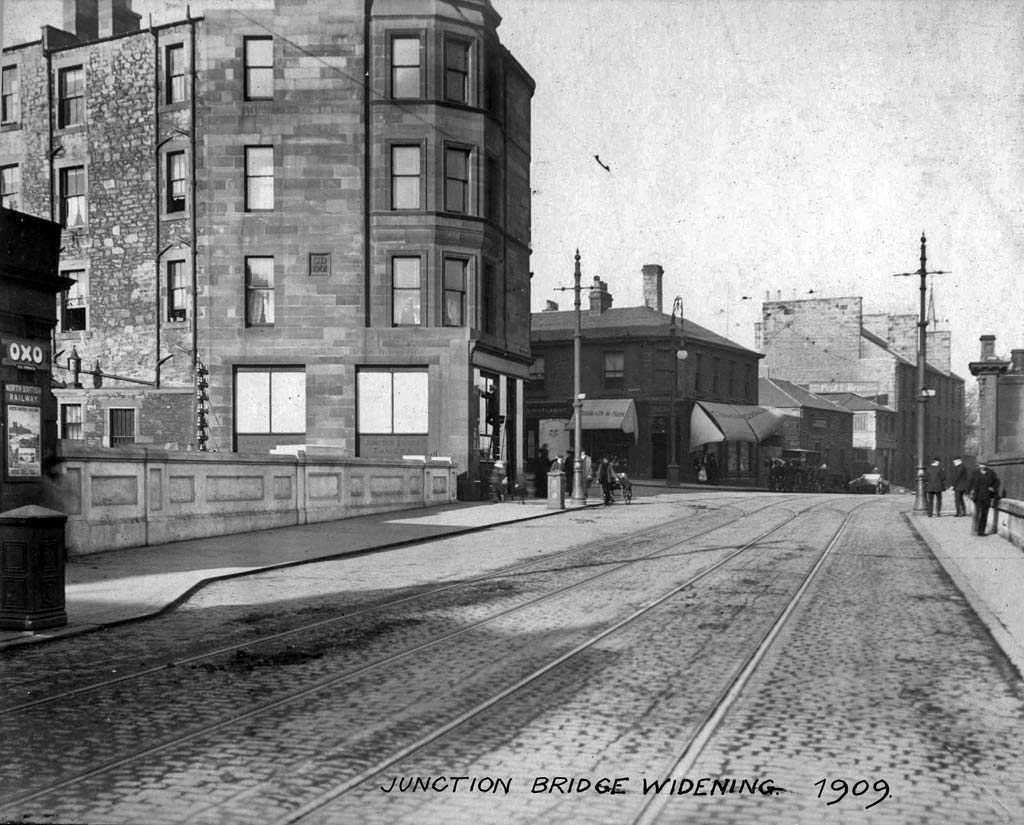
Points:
x=238, y=229
x=826, y=345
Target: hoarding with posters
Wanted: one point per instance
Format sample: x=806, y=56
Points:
x=22, y=432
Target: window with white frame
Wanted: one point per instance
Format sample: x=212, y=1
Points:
x=177, y=291
x=74, y=304
x=392, y=401
x=10, y=98
x=177, y=181
x=10, y=186
x=270, y=400
x=71, y=422
x=456, y=71
x=174, y=73
x=406, y=290
x=405, y=67
x=455, y=270
x=259, y=68
x=70, y=96
x=259, y=291
x=259, y=178
x=73, y=206
x=456, y=180
x=405, y=177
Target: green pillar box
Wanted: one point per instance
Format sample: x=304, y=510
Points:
x=32, y=568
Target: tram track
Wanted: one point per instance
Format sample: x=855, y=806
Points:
x=331, y=621
x=311, y=690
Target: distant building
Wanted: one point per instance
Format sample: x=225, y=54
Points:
x=830, y=346
x=874, y=433
x=304, y=225
x=628, y=364
x=817, y=425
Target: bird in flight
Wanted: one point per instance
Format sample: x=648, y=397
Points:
x=602, y=165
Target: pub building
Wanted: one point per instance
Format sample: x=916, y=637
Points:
x=29, y=286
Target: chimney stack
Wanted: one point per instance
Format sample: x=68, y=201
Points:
x=653, y=274
x=600, y=298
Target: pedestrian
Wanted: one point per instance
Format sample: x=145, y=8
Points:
x=498, y=482
x=605, y=476
x=570, y=469
x=587, y=466
x=934, y=484
x=961, y=483
x=540, y=471
x=984, y=492
x=712, y=469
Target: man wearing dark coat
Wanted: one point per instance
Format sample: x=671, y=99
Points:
x=934, y=484
x=984, y=492
x=961, y=483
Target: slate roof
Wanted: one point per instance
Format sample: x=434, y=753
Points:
x=623, y=322
x=856, y=403
x=776, y=392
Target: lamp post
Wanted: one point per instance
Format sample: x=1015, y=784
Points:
x=923, y=393
x=579, y=497
x=678, y=354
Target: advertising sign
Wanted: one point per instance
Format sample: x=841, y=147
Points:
x=23, y=431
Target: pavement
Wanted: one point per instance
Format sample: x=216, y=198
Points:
x=119, y=586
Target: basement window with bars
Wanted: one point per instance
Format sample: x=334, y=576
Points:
x=122, y=426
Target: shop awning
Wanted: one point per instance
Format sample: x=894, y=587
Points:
x=733, y=422
x=607, y=414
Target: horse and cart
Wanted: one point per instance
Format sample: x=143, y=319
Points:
x=802, y=471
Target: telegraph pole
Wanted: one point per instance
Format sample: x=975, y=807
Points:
x=923, y=392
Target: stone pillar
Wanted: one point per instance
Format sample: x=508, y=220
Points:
x=987, y=371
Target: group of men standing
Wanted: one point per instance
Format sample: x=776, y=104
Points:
x=982, y=485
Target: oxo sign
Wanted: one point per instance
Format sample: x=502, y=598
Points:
x=24, y=354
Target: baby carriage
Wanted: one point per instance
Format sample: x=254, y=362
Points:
x=622, y=488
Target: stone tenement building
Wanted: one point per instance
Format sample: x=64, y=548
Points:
x=830, y=346
x=301, y=225
x=627, y=365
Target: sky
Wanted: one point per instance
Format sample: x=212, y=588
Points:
x=767, y=147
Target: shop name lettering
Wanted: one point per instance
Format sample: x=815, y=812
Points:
x=832, y=793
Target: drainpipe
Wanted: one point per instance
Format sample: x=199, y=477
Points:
x=192, y=204
x=49, y=111
x=367, y=154
x=156, y=185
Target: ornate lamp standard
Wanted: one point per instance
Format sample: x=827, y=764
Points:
x=923, y=393
x=579, y=497
x=679, y=355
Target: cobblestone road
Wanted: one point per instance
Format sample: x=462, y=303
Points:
x=883, y=675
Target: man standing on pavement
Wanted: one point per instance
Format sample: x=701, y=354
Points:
x=961, y=483
x=984, y=491
x=934, y=484
x=587, y=467
x=604, y=478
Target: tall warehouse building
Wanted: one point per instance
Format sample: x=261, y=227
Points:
x=306, y=225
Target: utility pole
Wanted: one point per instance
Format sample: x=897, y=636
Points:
x=678, y=354
x=923, y=392
x=579, y=497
